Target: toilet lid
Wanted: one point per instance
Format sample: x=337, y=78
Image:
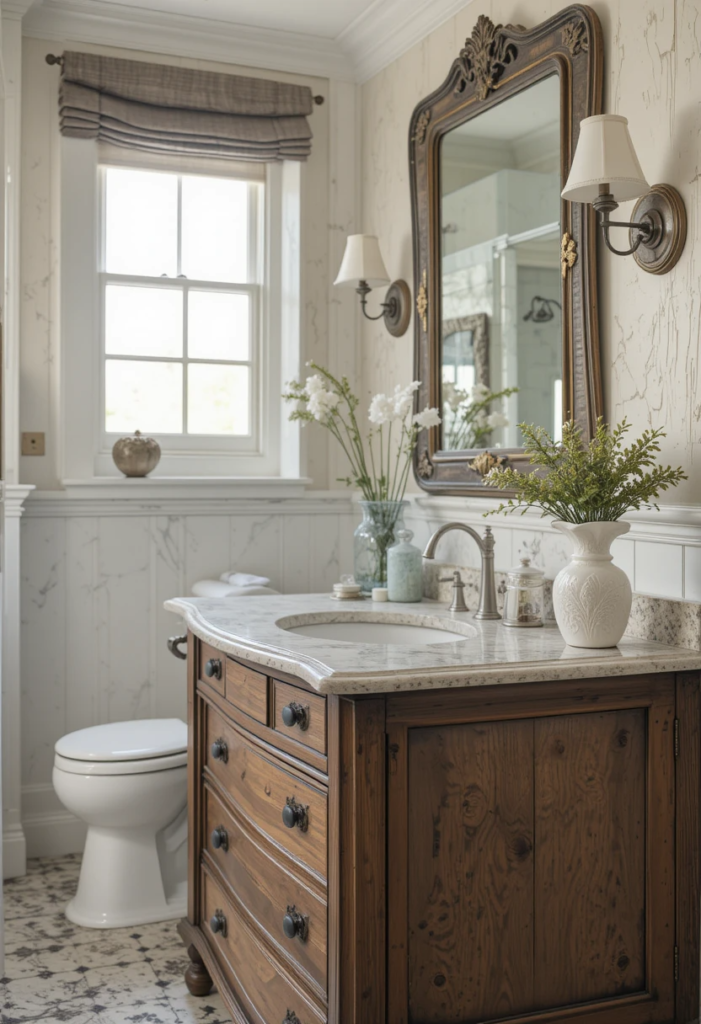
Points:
x=125, y=741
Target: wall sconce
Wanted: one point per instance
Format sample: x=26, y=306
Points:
x=364, y=267
x=605, y=172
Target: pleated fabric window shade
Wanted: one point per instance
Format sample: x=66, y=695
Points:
x=157, y=108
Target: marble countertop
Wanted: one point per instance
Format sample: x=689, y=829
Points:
x=249, y=628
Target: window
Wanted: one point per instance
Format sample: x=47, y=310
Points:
x=181, y=273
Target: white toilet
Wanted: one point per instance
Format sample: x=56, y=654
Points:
x=128, y=782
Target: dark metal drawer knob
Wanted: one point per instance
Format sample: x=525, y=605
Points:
x=220, y=838
x=295, y=925
x=218, y=923
x=213, y=669
x=294, y=815
x=295, y=714
x=220, y=750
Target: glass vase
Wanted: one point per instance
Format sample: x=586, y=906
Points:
x=373, y=538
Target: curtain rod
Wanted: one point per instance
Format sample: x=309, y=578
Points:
x=51, y=58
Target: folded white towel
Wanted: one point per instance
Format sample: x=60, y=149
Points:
x=243, y=579
x=215, y=588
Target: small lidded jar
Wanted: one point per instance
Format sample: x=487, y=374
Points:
x=524, y=597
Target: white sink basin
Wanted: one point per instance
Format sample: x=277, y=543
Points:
x=373, y=628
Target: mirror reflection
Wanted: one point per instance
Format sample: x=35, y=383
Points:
x=501, y=344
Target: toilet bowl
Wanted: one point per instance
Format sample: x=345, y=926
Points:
x=128, y=782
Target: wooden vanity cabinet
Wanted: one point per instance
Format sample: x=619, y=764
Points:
x=508, y=853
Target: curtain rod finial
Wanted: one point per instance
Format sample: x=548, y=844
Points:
x=318, y=100
x=51, y=58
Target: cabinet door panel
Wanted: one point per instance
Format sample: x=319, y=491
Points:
x=590, y=798
x=470, y=877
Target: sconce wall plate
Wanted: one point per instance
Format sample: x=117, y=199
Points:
x=397, y=308
x=664, y=206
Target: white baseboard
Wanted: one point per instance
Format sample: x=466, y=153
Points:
x=50, y=829
x=14, y=852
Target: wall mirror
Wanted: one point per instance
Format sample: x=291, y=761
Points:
x=505, y=270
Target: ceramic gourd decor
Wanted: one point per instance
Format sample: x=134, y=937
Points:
x=136, y=455
x=587, y=487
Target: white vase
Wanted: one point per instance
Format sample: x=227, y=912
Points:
x=591, y=595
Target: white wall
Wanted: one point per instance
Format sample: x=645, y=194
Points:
x=650, y=328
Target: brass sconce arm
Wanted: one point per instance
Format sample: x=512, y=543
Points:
x=389, y=306
x=648, y=231
x=396, y=309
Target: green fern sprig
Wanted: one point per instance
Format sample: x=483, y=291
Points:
x=586, y=483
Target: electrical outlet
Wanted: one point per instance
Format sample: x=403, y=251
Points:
x=33, y=444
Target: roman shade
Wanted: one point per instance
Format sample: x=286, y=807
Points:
x=157, y=108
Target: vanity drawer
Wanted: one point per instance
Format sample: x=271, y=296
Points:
x=262, y=788
x=306, y=713
x=266, y=993
x=211, y=667
x=266, y=889
x=247, y=690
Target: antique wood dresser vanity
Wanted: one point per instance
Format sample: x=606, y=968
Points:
x=511, y=851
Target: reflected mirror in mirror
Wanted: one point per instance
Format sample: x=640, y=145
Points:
x=501, y=344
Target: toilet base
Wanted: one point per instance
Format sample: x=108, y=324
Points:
x=175, y=908
x=121, y=881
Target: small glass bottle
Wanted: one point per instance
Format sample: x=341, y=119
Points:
x=404, y=570
x=524, y=598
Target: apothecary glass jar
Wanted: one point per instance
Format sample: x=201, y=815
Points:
x=373, y=538
x=524, y=598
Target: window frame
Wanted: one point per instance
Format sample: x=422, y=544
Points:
x=255, y=289
x=83, y=455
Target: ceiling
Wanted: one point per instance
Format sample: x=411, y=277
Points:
x=326, y=18
x=346, y=40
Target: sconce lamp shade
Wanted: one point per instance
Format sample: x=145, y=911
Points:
x=604, y=156
x=362, y=261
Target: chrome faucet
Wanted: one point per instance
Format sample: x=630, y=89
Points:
x=487, y=608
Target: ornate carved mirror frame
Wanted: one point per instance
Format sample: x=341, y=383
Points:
x=497, y=62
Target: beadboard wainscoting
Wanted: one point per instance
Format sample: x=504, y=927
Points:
x=95, y=574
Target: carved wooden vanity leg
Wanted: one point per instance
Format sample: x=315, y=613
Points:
x=197, y=976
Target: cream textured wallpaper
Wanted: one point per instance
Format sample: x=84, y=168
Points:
x=650, y=331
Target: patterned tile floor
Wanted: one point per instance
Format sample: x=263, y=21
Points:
x=56, y=971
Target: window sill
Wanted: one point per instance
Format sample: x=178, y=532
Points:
x=159, y=487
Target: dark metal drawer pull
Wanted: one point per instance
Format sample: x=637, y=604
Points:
x=218, y=923
x=213, y=669
x=296, y=714
x=220, y=751
x=295, y=925
x=294, y=815
x=220, y=838
x=174, y=646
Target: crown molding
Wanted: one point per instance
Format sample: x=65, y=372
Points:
x=382, y=34
x=113, y=24
x=390, y=28
x=15, y=9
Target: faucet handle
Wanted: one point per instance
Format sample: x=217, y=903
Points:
x=458, y=603
x=455, y=579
